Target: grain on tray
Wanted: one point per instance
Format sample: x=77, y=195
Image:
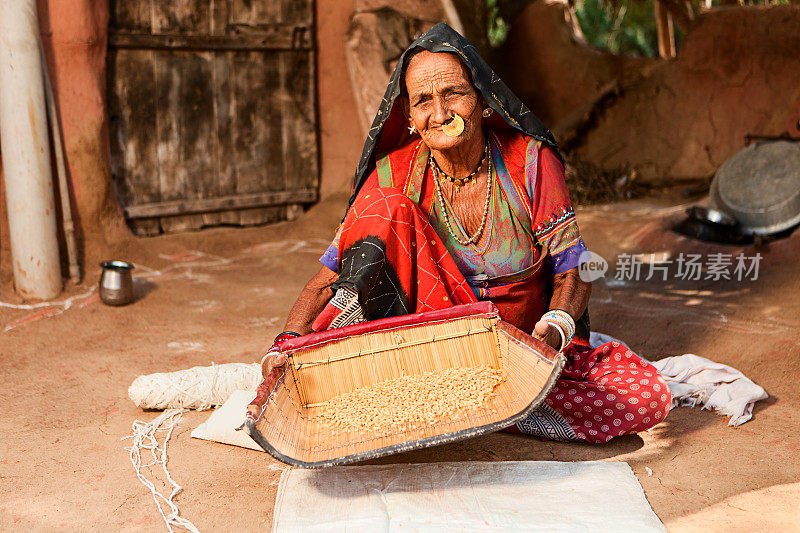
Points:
x=408, y=401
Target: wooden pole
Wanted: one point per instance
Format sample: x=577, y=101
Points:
x=666, y=32
x=681, y=12
x=61, y=171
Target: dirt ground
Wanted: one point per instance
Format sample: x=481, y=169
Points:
x=222, y=294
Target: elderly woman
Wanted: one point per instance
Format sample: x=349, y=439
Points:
x=460, y=196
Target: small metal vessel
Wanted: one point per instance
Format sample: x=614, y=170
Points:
x=116, y=283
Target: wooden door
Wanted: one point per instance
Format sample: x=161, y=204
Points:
x=212, y=111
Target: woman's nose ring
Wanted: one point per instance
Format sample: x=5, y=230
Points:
x=455, y=127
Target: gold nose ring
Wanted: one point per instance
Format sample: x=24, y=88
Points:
x=455, y=127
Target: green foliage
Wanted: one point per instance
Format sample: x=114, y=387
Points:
x=620, y=26
x=497, y=28
x=499, y=15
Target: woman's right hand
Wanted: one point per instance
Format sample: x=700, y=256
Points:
x=547, y=333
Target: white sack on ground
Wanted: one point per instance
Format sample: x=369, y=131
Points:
x=469, y=496
x=694, y=379
x=221, y=425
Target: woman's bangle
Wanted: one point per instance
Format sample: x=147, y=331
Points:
x=283, y=335
x=290, y=333
x=564, y=323
x=561, y=334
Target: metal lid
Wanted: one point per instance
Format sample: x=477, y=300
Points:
x=760, y=187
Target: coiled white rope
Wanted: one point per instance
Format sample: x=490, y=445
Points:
x=145, y=438
x=201, y=387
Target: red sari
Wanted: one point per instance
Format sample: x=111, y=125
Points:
x=532, y=231
x=393, y=249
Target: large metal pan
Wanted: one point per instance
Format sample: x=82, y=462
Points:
x=760, y=187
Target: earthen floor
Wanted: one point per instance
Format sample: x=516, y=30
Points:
x=221, y=295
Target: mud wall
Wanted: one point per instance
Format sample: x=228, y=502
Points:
x=339, y=135
x=737, y=72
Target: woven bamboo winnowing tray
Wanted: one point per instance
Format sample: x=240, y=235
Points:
x=324, y=365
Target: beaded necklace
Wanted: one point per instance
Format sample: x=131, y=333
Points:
x=446, y=216
x=460, y=181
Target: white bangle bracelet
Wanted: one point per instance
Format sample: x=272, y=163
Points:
x=561, y=334
x=563, y=319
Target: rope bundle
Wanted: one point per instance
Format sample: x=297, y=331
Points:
x=201, y=387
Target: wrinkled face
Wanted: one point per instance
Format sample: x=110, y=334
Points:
x=438, y=85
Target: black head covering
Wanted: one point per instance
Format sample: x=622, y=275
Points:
x=389, y=129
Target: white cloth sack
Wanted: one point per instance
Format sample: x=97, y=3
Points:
x=468, y=496
x=221, y=425
x=693, y=379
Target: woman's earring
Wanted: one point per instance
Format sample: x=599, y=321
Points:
x=487, y=112
x=411, y=129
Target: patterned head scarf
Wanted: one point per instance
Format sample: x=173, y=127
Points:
x=389, y=131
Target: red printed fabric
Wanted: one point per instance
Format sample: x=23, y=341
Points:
x=392, y=256
x=602, y=393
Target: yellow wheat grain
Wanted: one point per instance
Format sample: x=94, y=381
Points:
x=411, y=401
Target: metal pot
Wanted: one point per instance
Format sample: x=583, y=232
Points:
x=760, y=187
x=710, y=225
x=116, y=283
x=711, y=216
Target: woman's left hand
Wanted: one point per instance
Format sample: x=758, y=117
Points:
x=548, y=334
x=273, y=366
